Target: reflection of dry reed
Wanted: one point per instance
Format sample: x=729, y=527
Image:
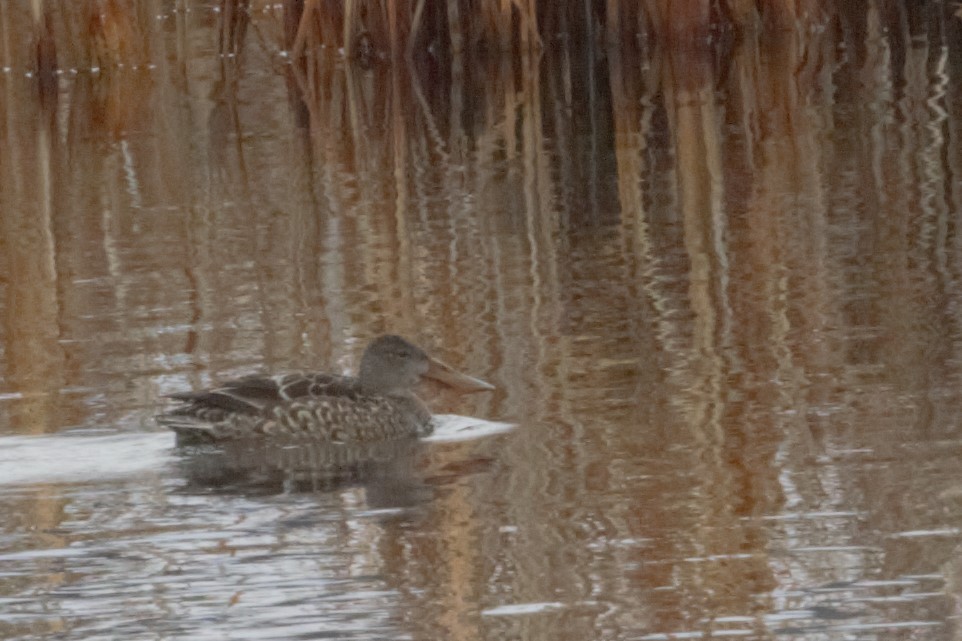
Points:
x=30, y=329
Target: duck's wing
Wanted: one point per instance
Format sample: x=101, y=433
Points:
x=255, y=394
x=322, y=418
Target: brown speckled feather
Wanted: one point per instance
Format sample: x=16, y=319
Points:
x=252, y=395
x=331, y=418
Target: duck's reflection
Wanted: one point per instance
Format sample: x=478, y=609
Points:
x=391, y=472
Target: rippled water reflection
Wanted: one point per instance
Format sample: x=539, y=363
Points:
x=719, y=295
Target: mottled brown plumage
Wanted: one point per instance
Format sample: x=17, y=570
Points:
x=379, y=404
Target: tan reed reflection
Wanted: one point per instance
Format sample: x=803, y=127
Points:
x=31, y=163
x=694, y=352
x=769, y=286
x=34, y=368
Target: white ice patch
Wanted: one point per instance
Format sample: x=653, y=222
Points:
x=29, y=460
x=521, y=608
x=451, y=427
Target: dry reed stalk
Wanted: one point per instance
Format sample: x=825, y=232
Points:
x=234, y=18
x=5, y=35
x=484, y=25
x=72, y=46
x=290, y=23
x=503, y=25
x=523, y=24
x=45, y=44
x=304, y=30
x=376, y=31
x=306, y=86
x=347, y=37
x=780, y=13
x=530, y=38
x=679, y=21
x=811, y=11
x=415, y=27
x=332, y=23
x=742, y=13
x=657, y=19
x=392, y=28
x=788, y=14
x=612, y=21
x=112, y=28
x=455, y=32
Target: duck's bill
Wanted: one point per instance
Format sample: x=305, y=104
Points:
x=446, y=374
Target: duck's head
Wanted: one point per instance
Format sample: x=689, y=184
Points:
x=393, y=365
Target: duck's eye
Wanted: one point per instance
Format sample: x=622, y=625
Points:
x=403, y=353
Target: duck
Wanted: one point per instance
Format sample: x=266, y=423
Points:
x=378, y=404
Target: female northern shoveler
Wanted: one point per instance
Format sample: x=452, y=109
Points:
x=378, y=404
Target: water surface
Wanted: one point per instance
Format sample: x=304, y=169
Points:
x=719, y=293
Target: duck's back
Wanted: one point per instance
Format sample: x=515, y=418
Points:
x=252, y=395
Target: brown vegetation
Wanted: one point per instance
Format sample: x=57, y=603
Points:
x=105, y=33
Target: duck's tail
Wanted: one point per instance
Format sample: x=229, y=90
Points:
x=189, y=430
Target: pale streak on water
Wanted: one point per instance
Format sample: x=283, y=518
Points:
x=720, y=300
x=80, y=458
x=89, y=458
